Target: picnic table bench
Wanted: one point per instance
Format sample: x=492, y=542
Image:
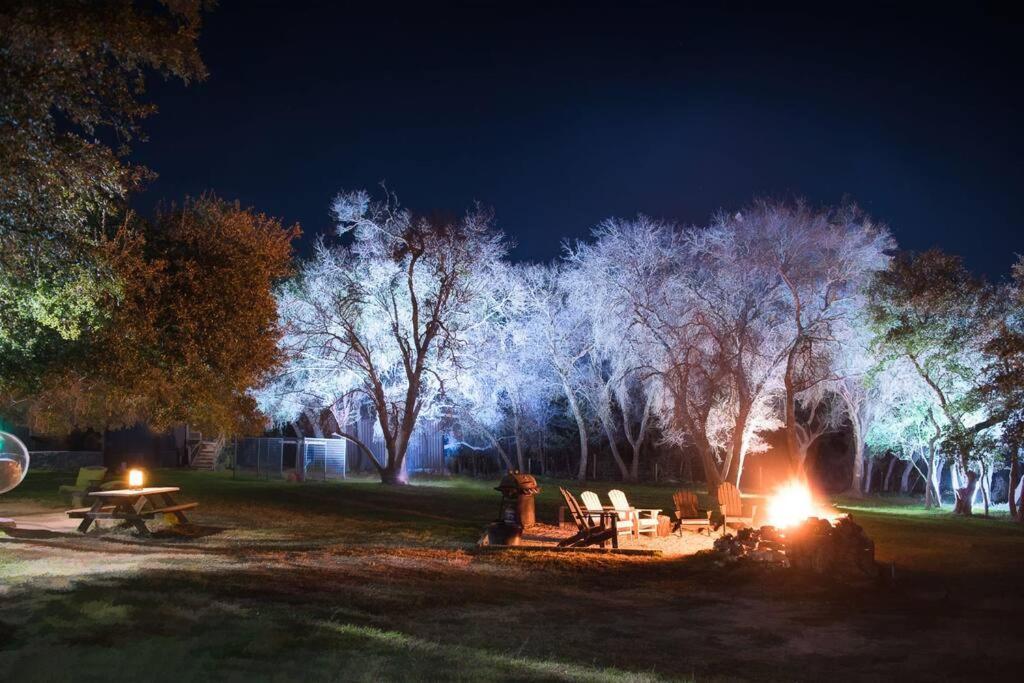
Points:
x=133, y=506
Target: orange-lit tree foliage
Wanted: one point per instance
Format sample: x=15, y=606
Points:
x=191, y=329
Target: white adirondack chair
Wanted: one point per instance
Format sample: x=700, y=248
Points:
x=645, y=520
x=592, y=504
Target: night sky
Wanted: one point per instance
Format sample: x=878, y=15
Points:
x=558, y=117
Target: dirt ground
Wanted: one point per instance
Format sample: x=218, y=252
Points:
x=354, y=582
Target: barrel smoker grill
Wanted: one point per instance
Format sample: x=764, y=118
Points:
x=517, y=511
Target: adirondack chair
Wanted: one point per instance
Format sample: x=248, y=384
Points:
x=688, y=514
x=645, y=520
x=90, y=479
x=590, y=533
x=591, y=504
x=733, y=508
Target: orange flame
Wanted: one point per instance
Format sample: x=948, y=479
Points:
x=793, y=503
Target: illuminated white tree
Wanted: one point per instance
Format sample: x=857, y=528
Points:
x=818, y=264
x=506, y=386
x=560, y=339
x=695, y=326
x=387, y=321
x=620, y=384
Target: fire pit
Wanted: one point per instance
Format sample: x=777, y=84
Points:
x=804, y=535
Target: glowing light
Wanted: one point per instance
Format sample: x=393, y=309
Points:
x=135, y=480
x=791, y=505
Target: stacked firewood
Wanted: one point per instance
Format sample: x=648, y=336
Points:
x=841, y=550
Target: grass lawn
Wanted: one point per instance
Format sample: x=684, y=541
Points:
x=354, y=581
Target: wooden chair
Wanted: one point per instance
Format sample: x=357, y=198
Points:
x=591, y=504
x=733, y=508
x=89, y=479
x=644, y=520
x=688, y=513
x=590, y=533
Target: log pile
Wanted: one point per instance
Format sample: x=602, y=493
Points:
x=841, y=550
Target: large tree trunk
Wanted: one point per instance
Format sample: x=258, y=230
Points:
x=393, y=476
x=935, y=480
x=932, y=493
x=857, y=479
x=908, y=467
x=314, y=420
x=613, y=446
x=869, y=471
x=965, y=495
x=986, y=485
x=634, y=467
x=393, y=473
x=792, y=440
x=520, y=456
x=502, y=453
x=636, y=442
x=581, y=473
x=737, y=450
x=887, y=483
x=711, y=474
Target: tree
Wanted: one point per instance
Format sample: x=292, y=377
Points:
x=387, y=320
x=504, y=385
x=822, y=260
x=189, y=332
x=619, y=383
x=904, y=420
x=928, y=309
x=696, y=318
x=742, y=314
x=1002, y=388
x=72, y=76
x=562, y=338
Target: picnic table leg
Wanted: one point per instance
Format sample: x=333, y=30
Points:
x=87, y=520
x=130, y=511
x=170, y=502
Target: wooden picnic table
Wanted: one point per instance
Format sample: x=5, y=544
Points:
x=133, y=506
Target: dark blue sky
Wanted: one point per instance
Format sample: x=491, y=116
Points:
x=560, y=116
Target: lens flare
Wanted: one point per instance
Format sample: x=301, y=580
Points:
x=14, y=460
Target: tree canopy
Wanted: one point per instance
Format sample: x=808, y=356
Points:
x=190, y=327
x=72, y=80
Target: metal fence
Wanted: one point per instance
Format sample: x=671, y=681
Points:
x=425, y=452
x=260, y=457
x=323, y=458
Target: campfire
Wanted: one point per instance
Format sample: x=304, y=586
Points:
x=793, y=503
x=804, y=534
